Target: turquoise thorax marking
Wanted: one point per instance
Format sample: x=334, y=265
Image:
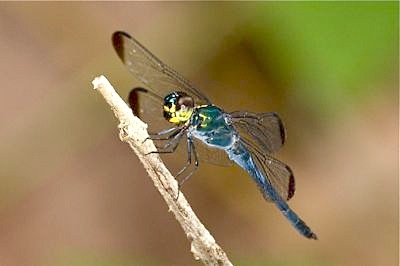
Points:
x=211, y=127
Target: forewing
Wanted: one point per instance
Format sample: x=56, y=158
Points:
x=265, y=130
x=278, y=173
x=147, y=68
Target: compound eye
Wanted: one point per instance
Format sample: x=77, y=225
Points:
x=186, y=101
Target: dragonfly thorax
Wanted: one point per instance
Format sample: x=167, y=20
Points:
x=178, y=107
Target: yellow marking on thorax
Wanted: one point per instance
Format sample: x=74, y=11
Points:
x=204, y=121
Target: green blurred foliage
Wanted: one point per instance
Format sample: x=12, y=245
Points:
x=329, y=53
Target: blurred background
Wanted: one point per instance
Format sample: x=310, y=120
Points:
x=72, y=194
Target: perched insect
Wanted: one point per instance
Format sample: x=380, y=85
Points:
x=246, y=138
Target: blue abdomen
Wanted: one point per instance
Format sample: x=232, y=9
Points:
x=241, y=156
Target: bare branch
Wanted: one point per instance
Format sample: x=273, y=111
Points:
x=133, y=131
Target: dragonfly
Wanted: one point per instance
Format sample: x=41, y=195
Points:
x=245, y=138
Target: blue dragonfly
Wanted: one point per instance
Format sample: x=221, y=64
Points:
x=245, y=138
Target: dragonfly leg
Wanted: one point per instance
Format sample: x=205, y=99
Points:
x=188, y=162
x=189, y=158
x=164, y=134
x=171, y=144
x=191, y=150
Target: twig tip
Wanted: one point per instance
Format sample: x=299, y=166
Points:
x=98, y=81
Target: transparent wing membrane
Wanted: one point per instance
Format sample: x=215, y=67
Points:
x=263, y=134
x=278, y=173
x=211, y=155
x=147, y=68
x=265, y=130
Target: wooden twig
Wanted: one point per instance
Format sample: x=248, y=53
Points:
x=133, y=131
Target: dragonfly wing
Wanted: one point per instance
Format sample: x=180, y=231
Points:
x=279, y=174
x=211, y=155
x=265, y=130
x=147, y=68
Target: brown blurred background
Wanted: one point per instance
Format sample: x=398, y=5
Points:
x=72, y=194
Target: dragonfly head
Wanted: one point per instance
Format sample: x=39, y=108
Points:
x=178, y=107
